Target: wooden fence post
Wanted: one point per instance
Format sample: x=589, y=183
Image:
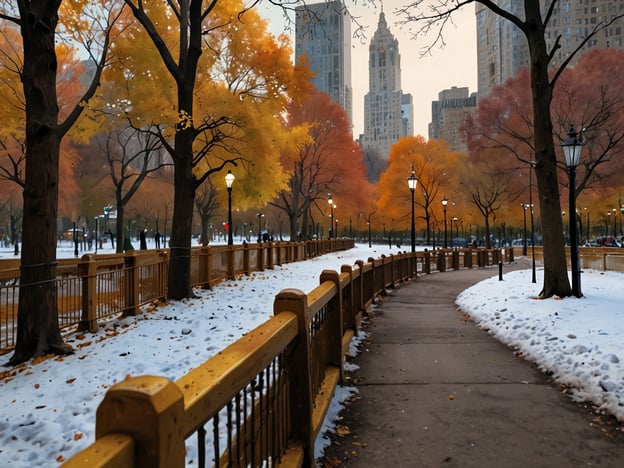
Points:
x=87, y=269
x=150, y=410
x=246, y=265
x=338, y=342
x=260, y=257
x=455, y=255
x=270, y=255
x=132, y=283
x=230, y=252
x=441, y=260
x=302, y=402
x=204, y=269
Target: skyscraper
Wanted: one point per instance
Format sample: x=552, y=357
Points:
x=448, y=114
x=388, y=113
x=502, y=49
x=323, y=33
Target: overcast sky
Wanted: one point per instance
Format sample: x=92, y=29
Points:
x=422, y=77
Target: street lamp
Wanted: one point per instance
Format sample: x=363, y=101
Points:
x=96, y=233
x=588, y=233
x=456, y=229
x=524, y=239
x=412, y=181
x=614, y=223
x=75, y=238
x=572, y=152
x=444, y=203
x=330, y=201
x=229, y=180
x=259, y=215
x=533, y=278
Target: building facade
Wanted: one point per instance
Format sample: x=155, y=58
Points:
x=388, y=113
x=448, y=114
x=502, y=50
x=323, y=34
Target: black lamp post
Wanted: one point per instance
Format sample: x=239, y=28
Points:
x=444, y=203
x=614, y=223
x=330, y=201
x=533, y=279
x=412, y=181
x=455, y=220
x=259, y=215
x=572, y=152
x=621, y=212
x=75, y=238
x=524, y=239
x=229, y=180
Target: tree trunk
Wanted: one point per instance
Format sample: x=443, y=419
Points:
x=119, y=227
x=556, y=280
x=37, y=322
x=183, y=203
x=488, y=240
x=205, y=220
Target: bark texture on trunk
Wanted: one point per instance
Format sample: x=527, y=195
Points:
x=38, y=330
x=182, y=223
x=556, y=280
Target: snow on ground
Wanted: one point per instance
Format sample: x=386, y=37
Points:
x=47, y=409
x=579, y=341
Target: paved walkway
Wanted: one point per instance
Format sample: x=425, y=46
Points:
x=435, y=390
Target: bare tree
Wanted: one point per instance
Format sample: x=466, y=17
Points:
x=132, y=155
x=433, y=15
x=207, y=206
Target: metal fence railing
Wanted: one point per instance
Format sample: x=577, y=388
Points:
x=97, y=287
x=262, y=400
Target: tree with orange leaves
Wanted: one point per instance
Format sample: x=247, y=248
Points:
x=328, y=165
x=432, y=162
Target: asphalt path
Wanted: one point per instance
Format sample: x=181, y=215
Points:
x=435, y=390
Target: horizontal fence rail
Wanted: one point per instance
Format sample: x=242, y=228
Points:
x=98, y=287
x=590, y=258
x=262, y=400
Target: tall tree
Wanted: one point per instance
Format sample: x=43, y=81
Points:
x=537, y=14
x=132, y=155
x=206, y=203
x=432, y=162
x=503, y=120
x=246, y=76
x=38, y=331
x=487, y=188
x=328, y=162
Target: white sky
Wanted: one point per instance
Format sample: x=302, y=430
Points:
x=47, y=410
x=423, y=78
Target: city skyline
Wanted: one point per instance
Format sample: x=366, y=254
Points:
x=422, y=77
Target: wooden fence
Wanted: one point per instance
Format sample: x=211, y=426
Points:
x=97, y=287
x=591, y=258
x=262, y=400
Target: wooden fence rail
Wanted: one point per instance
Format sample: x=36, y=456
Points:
x=262, y=400
x=97, y=287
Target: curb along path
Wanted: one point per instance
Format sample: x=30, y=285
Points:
x=436, y=390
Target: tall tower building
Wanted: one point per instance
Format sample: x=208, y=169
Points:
x=448, y=114
x=502, y=50
x=388, y=113
x=323, y=33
